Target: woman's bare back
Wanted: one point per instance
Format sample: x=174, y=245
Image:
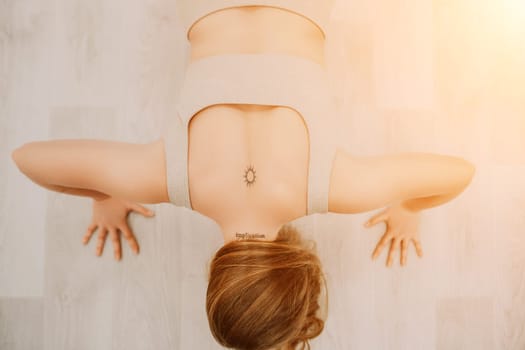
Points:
x=248, y=162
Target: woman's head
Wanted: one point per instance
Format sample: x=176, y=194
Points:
x=264, y=294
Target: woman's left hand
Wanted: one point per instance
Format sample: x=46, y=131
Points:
x=402, y=226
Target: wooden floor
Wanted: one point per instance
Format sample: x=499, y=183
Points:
x=429, y=76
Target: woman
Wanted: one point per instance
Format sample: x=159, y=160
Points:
x=244, y=150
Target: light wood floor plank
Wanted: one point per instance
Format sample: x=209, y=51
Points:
x=440, y=77
x=21, y=323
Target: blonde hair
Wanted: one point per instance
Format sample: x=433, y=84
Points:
x=264, y=294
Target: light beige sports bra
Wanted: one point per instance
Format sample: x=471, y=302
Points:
x=317, y=11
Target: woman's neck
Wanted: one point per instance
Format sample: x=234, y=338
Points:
x=235, y=233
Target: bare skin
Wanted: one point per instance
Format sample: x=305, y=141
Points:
x=110, y=216
x=254, y=29
x=402, y=226
x=244, y=197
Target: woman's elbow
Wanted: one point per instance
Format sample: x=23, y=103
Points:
x=16, y=154
x=19, y=156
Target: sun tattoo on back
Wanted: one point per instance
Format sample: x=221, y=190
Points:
x=250, y=176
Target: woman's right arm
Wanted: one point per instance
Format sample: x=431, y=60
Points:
x=419, y=180
x=114, y=174
x=97, y=168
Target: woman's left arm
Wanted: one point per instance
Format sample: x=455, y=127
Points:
x=406, y=182
x=419, y=180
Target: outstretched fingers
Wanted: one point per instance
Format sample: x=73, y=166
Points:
x=130, y=238
x=91, y=229
x=404, y=250
x=377, y=218
x=142, y=210
x=384, y=240
x=101, y=240
x=419, y=250
x=393, y=246
x=116, y=243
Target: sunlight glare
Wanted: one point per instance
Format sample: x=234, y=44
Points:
x=514, y=12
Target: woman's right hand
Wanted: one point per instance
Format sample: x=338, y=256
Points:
x=110, y=215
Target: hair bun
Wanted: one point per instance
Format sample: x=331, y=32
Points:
x=265, y=293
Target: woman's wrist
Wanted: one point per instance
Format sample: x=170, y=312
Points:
x=410, y=205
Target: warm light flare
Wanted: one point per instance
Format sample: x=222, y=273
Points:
x=514, y=17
